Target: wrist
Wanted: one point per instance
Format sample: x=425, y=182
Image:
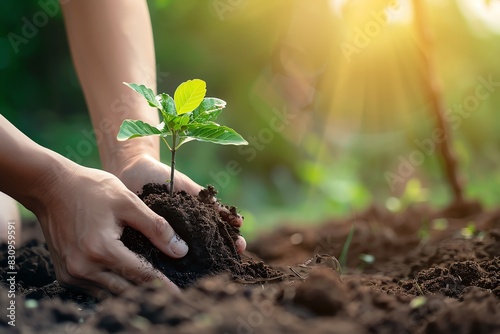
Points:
x=122, y=154
x=52, y=175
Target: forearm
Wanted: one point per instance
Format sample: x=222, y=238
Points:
x=112, y=42
x=28, y=170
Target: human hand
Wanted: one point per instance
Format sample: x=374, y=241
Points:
x=82, y=214
x=143, y=169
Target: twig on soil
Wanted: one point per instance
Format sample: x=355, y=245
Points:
x=306, y=264
x=296, y=273
x=418, y=287
x=259, y=280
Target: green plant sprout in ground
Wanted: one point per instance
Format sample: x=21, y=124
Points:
x=188, y=116
x=345, y=249
x=470, y=231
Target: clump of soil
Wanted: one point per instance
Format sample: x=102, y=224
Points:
x=198, y=222
x=458, y=278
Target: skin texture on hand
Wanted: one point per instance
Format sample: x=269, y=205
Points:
x=88, y=252
x=82, y=212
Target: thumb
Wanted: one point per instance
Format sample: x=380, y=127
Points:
x=157, y=230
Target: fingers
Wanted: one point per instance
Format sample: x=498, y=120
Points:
x=230, y=215
x=241, y=244
x=104, y=284
x=113, y=274
x=156, y=229
x=183, y=182
x=137, y=270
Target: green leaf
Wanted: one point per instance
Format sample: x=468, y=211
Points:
x=146, y=92
x=131, y=129
x=208, y=110
x=167, y=104
x=180, y=121
x=167, y=108
x=213, y=133
x=189, y=95
x=418, y=302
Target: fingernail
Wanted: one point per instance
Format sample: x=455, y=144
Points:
x=178, y=246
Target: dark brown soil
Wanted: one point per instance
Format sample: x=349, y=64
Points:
x=198, y=222
x=424, y=279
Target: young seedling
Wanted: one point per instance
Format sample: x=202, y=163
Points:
x=345, y=249
x=188, y=116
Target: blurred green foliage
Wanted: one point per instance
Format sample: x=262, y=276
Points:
x=332, y=156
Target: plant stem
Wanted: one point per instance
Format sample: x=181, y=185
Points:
x=434, y=91
x=166, y=143
x=172, y=163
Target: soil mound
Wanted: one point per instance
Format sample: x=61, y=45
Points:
x=414, y=271
x=210, y=239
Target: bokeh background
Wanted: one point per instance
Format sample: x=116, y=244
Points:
x=330, y=94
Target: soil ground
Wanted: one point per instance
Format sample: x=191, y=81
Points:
x=416, y=271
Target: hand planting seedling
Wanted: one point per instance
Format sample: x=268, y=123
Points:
x=208, y=229
x=188, y=116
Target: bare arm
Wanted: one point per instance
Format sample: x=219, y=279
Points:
x=111, y=42
x=25, y=167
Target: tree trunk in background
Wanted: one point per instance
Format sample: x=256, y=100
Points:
x=433, y=87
